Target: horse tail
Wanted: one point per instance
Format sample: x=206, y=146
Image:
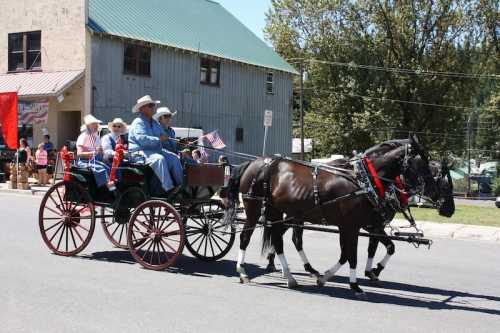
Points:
x=233, y=192
x=266, y=240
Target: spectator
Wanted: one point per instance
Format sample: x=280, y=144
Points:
x=47, y=145
x=196, y=154
x=41, y=164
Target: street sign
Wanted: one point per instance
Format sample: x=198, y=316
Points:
x=268, y=118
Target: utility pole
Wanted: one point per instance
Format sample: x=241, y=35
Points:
x=301, y=109
x=469, y=147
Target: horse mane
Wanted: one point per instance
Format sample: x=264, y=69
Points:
x=385, y=146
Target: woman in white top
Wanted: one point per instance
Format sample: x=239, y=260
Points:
x=90, y=152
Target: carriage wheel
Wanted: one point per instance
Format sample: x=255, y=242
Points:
x=155, y=235
x=206, y=237
x=66, y=218
x=114, y=220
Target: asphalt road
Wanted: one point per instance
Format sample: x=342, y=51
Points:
x=454, y=287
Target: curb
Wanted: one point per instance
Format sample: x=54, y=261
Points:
x=31, y=192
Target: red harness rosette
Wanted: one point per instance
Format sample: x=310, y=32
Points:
x=67, y=157
x=117, y=159
x=403, y=196
x=376, y=180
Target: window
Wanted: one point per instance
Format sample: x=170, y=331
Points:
x=137, y=60
x=24, y=51
x=210, y=72
x=270, y=83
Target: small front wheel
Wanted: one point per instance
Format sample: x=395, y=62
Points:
x=155, y=235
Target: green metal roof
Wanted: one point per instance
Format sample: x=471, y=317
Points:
x=197, y=25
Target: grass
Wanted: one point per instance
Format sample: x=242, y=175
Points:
x=464, y=214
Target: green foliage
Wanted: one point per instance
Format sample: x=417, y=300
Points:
x=440, y=36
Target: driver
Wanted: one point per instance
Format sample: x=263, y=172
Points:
x=146, y=137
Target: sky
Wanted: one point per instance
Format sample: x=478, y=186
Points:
x=250, y=12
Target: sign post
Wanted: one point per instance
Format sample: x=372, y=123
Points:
x=268, y=122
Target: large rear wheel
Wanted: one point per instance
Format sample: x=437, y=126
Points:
x=207, y=238
x=155, y=235
x=66, y=218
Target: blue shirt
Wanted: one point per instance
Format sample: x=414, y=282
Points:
x=171, y=144
x=48, y=146
x=144, y=135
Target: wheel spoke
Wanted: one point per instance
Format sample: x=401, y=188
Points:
x=53, y=211
x=60, y=221
x=73, y=237
x=121, y=233
x=55, y=233
x=164, y=251
x=217, y=244
x=139, y=240
x=147, y=250
x=60, y=238
x=211, y=246
x=55, y=203
x=81, y=226
x=171, y=248
x=199, y=245
x=222, y=239
x=78, y=234
x=63, y=203
x=194, y=242
x=113, y=234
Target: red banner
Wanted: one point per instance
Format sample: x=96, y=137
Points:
x=8, y=119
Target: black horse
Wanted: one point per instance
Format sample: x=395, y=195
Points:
x=274, y=187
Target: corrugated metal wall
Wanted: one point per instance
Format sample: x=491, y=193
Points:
x=240, y=100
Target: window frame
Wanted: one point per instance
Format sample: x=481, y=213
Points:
x=211, y=64
x=25, y=51
x=270, y=83
x=137, y=59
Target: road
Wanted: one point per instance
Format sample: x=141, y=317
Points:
x=454, y=287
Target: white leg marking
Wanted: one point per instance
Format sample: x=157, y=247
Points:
x=385, y=260
x=303, y=257
x=352, y=275
x=329, y=274
x=369, y=264
x=241, y=261
x=286, y=271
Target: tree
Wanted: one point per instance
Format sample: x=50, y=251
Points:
x=385, y=67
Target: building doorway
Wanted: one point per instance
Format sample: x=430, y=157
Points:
x=68, y=126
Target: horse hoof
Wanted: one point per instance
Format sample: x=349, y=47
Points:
x=320, y=281
x=378, y=270
x=271, y=268
x=244, y=279
x=358, y=292
x=371, y=275
x=292, y=283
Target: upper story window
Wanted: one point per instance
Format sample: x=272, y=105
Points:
x=137, y=60
x=24, y=51
x=270, y=83
x=210, y=72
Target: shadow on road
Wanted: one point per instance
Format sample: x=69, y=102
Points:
x=184, y=264
x=396, y=293
x=386, y=292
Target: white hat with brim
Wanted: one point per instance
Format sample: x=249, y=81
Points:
x=145, y=100
x=163, y=111
x=118, y=121
x=90, y=119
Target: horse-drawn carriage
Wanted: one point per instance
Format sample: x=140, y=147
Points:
x=153, y=227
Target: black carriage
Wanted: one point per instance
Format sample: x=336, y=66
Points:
x=154, y=227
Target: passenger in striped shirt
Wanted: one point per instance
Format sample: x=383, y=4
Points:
x=90, y=152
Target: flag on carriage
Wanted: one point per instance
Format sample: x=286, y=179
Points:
x=215, y=140
x=203, y=153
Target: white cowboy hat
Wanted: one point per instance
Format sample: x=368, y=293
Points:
x=163, y=111
x=118, y=121
x=90, y=119
x=144, y=100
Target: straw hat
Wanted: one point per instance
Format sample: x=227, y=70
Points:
x=145, y=100
x=90, y=119
x=118, y=121
x=163, y=111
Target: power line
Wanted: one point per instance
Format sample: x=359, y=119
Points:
x=352, y=64
x=400, y=101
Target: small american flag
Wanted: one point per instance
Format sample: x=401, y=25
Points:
x=203, y=153
x=215, y=140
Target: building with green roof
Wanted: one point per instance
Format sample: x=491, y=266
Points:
x=198, y=59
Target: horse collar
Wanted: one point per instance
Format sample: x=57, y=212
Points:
x=374, y=175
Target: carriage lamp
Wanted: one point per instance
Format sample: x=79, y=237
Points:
x=117, y=159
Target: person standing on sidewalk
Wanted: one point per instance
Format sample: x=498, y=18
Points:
x=41, y=164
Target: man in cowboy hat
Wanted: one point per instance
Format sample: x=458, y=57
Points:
x=164, y=116
x=89, y=150
x=117, y=129
x=145, y=139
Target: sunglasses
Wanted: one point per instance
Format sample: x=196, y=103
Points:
x=117, y=126
x=151, y=105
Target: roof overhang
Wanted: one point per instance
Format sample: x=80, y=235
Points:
x=39, y=84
